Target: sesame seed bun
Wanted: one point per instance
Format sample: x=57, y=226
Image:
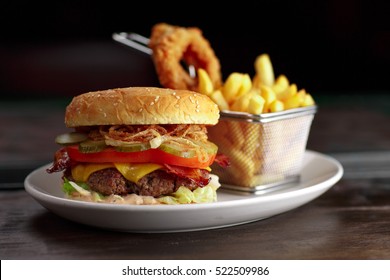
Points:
x=141, y=105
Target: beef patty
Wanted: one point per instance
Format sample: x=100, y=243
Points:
x=157, y=183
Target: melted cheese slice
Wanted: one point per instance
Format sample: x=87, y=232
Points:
x=131, y=171
x=135, y=171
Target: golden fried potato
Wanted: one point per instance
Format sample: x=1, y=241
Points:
x=261, y=94
x=264, y=70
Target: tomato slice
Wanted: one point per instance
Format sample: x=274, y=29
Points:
x=150, y=155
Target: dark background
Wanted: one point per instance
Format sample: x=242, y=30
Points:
x=63, y=48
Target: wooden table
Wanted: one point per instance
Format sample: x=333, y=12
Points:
x=349, y=221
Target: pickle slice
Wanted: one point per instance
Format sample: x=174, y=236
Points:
x=70, y=138
x=189, y=151
x=210, y=147
x=92, y=146
x=133, y=147
x=177, y=150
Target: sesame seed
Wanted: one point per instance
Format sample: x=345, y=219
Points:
x=140, y=110
x=151, y=103
x=178, y=97
x=174, y=93
x=197, y=110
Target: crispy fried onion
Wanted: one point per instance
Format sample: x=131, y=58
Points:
x=123, y=134
x=145, y=133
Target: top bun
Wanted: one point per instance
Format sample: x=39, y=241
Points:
x=141, y=105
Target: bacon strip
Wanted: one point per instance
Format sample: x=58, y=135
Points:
x=222, y=160
x=61, y=161
x=199, y=176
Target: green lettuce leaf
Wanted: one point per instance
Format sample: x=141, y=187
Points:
x=200, y=195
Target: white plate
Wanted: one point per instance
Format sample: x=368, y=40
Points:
x=319, y=173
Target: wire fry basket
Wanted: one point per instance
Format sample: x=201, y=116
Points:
x=265, y=150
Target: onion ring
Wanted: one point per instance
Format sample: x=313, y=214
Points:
x=173, y=45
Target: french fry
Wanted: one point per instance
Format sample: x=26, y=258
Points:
x=242, y=164
x=301, y=93
x=256, y=82
x=235, y=134
x=269, y=96
x=246, y=85
x=218, y=98
x=252, y=144
x=308, y=100
x=205, y=86
x=241, y=93
x=232, y=86
x=241, y=103
x=264, y=69
x=292, y=102
x=281, y=84
x=287, y=93
x=276, y=106
x=256, y=103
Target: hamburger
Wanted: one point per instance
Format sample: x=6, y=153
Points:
x=139, y=145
